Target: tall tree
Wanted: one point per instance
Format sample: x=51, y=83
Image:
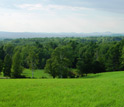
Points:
x=1, y=65
x=122, y=59
x=16, y=65
x=7, y=65
x=50, y=68
x=60, y=61
x=32, y=60
x=2, y=55
x=114, y=55
x=87, y=57
x=9, y=48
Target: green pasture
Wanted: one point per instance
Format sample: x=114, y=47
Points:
x=96, y=90
x=37, y=74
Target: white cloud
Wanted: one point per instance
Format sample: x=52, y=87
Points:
x=41, y=17
x=32, y=22
x=31, y=6
x=51, y=7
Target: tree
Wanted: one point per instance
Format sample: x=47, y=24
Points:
x=7, y=65
x=84, y=66
x=60, y=62
x=2, y=55
x=122, y=58
x=32, y=60
x=97, y=67
x=85, y=62
x=16, y=65
x=114, y=56
x=50, y=68
x=1, y=65
x=8, y=48
x=25, y=53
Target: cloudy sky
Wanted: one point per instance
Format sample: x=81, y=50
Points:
x=62, y=16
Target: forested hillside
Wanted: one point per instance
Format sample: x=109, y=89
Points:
x=62, y=57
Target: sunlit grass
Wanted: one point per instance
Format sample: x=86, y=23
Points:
x=99, y=90
x=37, y=73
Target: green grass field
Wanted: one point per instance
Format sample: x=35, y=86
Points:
x=37, y=74
x=97, y=90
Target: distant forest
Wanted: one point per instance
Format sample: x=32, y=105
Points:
x=67, y=57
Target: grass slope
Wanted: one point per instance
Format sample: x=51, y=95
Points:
x=37, y=73
x=100, y=90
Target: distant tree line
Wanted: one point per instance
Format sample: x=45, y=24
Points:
x=62, y=57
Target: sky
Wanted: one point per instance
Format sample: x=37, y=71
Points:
x=62, y=16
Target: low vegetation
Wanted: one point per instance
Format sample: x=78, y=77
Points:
x=38, y=74
x=95, y=90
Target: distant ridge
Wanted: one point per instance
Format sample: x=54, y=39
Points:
x=14, y=35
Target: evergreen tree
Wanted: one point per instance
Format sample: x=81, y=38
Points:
x=7, y=65
x=2, y=55
x=1, y=65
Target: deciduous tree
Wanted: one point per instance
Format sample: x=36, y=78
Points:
x=7, y=65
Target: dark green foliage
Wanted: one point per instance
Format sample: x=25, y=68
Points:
x=2, y=53
x=85, y=66
x=60, y=55
x=97, y=67
x=87, y=57
x=60, y=62
x=50, y=68
x=113, y=58
x=25, y=53
x=32, y=59
x=16, y=65
x=1, y=65
x=7, y=65
x=122, y=59
x=9, y=48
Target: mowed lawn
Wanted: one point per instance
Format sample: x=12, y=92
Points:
x=97, y=90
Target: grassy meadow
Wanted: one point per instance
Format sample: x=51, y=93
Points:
x=37, y=74
x=96, y=90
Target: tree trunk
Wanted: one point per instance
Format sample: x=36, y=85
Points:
x=32, y=73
